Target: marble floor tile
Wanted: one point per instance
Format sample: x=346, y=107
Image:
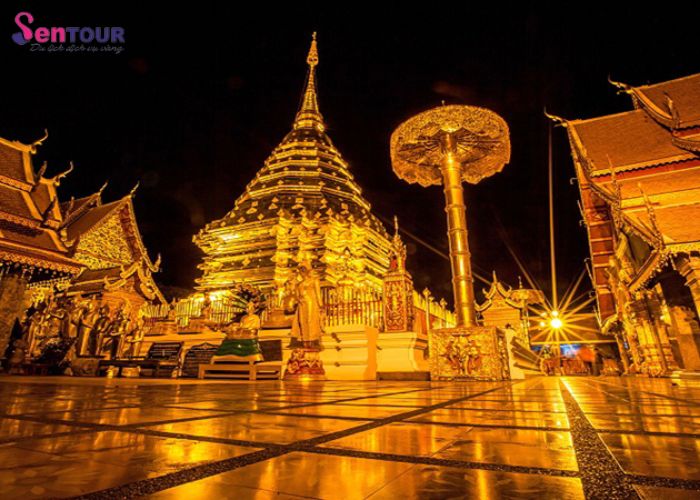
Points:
x=438, y=483
x=301, y=474
x=529, y=448
x=153, y=453
x=12, y=428
x=493, y=418
x=259, y=427
x=656, y=455
x=130, y=416
x=328, y=410
x=401, y=439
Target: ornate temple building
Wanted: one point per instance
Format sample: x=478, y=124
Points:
x=66, y=260
x=639, y=178
x=105, y=238
x=303, y=205
x=31, y=247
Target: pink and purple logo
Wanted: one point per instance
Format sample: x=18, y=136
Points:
x=59, y=35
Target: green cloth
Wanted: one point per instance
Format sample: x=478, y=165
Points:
x=239, y=347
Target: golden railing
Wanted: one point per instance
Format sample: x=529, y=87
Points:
x=352, y=306
x=344, y=305
x=218, y=311
x=437, y=313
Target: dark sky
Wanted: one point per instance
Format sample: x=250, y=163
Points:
x=203, y=93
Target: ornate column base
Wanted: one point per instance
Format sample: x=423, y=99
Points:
x=468, y=353
x=305, y=364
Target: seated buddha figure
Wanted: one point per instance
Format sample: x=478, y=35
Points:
x=241, y=342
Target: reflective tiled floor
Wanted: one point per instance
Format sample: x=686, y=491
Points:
x=62, y=437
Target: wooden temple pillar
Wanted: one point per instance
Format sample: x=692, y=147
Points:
x=13, y=284
x=624, y=356
x=651, y=333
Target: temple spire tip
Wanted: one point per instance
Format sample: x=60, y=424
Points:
x=309, y=116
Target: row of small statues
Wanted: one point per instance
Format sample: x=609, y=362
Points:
x=86, y=326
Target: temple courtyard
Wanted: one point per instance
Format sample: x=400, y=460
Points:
x=561, y=438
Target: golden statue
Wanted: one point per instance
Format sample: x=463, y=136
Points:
x=307, y=329
x=241, y=342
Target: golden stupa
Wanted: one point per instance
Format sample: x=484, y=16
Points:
x=303, y=205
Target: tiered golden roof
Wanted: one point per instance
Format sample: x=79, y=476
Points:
x=304, y=204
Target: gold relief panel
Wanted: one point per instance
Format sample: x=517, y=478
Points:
x=476, y=353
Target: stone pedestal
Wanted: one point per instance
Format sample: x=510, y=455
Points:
x=349, y=352
x=468, y=353
x=402, y=353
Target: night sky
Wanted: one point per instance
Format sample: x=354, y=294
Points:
x=202, y=94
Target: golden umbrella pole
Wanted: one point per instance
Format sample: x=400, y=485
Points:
x=449, y=145
x=460, y=258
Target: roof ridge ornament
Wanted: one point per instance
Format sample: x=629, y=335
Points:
x=59, y=177
x=39, y=142
x=622, y=88
x=558, y=120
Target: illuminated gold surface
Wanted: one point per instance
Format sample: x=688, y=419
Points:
x=550, y=449
x=437, y=483
x=402, y=439
x=657, y=492
x=312, y=475
x=347, y=411
x=125, y=416
x=656, y=455
x=38, y=464
x=10, y=428
x=260, y=427
x=154, y=454
x=501, y=418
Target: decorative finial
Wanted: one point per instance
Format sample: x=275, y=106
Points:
x=133, y=189
x=558, y=120
x=308, y=115
x=520, y=282
x=312, y=58
x=57, y=179
x=623, y=88
x=495, y=278
x=40, y=141
x=652, y=217
x=396, y=225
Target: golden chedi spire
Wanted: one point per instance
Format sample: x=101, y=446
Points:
x=303, y=204
x=308, y=115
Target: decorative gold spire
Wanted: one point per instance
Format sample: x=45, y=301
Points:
x=308, y=115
